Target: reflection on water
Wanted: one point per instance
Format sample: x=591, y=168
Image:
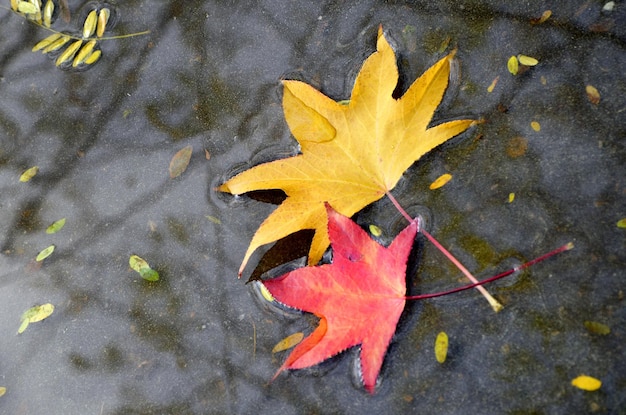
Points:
x=208, y=76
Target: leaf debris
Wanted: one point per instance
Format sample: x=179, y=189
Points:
x=35, y=314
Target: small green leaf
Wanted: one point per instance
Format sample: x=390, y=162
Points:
x=45, y=253
x=35, y=314
x=3, y=390
x=29, y=174
x=513, y=65
x=621, y=223
x=143, y=268
x=375, y=230
x=56, y=226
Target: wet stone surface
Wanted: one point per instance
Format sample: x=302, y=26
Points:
x=208, y=75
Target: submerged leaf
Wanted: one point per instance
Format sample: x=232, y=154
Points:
x=143, y=268
x=597, y=328
x=45, y=253
x=35, y=314
x=180, y=161
x=56, y=226
x=29, y=174
x=441, y=347
x=586, y=383
x=288, y=342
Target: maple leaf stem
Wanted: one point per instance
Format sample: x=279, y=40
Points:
x=563, y=248
x=495, y=304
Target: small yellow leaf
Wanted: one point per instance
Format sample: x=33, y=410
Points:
x=288, y=342
x=29, y=174
x=527, y=60
x=513, y=65
x=26, y=7
x=54, y=45
x=35, y=314
x=511, y=197
x=493, y=84
x=103, y=18
x=586, y=383
x=375, y=230
x=46, y=42
x=597, y=328
x=441, y=347
x=93, y=58
x=83, y=53
x=48, y=11
x=535, y=125
x=143, y=268
x=3, y=390
x=621, y=223
x=45, y=253
x=56, y=226
x=89, y=26
x=180, y=161
x=440, y=181
x=68, y=53
x=592, y=94
x=544, y=16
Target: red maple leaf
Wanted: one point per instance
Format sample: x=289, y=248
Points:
x=358, y=298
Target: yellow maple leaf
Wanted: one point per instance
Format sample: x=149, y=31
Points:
x=351, y=155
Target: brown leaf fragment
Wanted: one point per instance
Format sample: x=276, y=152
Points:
x=180, y=161
x=592, y=94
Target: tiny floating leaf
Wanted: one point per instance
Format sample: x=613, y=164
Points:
x=621, y=223
x=46, y=42
x=288, y=342
x=592, y=94
x=511, y=197
x=3, y=390
x=375, y=230
x=213, y=219
x=586, y=383
x=83, y=53
x=29, y=174
x=56, y=44
x=35, y=314
x=27, y=7
x=535, y=126
x=513, y=65
x=544, y=16
x=93, y=58
x=89, y=27
x=48, y=11
x=143, y=268
x=441, y=347
x=56, y=226
x=103, y=18
x=180, y=161
x=440, y=181
x=45, y=253
x=527, y=60
x=597, y=328
x=68, y=53
x=493, y=84
x=265, y=292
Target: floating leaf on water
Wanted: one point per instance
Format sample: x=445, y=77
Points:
x=143, y=268
x=48, y=11
x=57, y=44
x=180, y=161
x=592, y=94
x=441, y=347
x=56, y=226
x=47, y=41
x=214, y=219
x=544, y=16
x=35, y=314
x=621, y=223
x=375, y=230
x=89, y=27
x=527, y=60
x=440, y=181
x=288, y=342
x=597, y=328
x=535, y=125
x=93, y=58
x=3, y=390
x=14, y=4
x=586, y=383
x=29, y=174
x=27, y=7
x=511, y=197
x=83, y=53
x=45, y=253
x=103, y=18
x=265, y=292
x=68, y=53
x=493, y=84
x=207, y=155
x=513, y=65
x=608, y=6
